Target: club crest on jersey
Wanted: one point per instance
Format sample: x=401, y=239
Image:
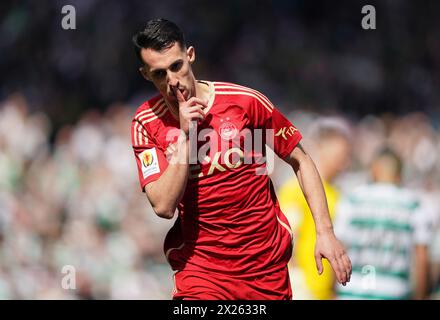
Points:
x=227, y=130
x=150, y=164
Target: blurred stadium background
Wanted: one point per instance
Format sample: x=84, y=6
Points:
x=69, y=193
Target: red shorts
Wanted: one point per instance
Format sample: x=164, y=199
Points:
x=194, y=285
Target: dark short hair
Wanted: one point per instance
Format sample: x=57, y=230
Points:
x=388, y=153
x=158, y=34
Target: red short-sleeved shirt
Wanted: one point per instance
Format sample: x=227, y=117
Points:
x=229, y=218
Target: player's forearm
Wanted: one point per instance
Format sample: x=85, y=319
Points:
x=314, y=193
x=326, y=246
x=421, y=272
x=166, y=192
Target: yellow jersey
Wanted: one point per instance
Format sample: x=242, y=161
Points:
x=294, y=206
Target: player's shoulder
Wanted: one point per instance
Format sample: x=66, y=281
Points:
x=240, y=93
x=234, y=89
x=150, y=110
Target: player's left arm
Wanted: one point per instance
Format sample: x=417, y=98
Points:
x=327, y=245
x=262, y=113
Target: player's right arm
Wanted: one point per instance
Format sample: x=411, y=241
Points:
x=166, y=192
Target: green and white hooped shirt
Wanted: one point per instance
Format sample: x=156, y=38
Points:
x=379, y=225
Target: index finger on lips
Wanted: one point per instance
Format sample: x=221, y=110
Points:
x=178, y=94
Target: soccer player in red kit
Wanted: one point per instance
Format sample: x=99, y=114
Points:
x=197, y=150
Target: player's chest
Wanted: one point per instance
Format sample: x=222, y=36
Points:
x=221, y=126
x=220, y=143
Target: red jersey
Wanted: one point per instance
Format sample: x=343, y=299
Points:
x=229, y=218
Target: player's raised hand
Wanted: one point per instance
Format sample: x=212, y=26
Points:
x=327, y=246
x=189, y=111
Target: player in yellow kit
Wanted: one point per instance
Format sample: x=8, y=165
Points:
x=331, y=148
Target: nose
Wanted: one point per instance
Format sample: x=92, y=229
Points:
x=172, y=79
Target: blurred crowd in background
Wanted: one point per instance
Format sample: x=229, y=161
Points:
x=313, y=53
x=69, y=193
x=77, y=201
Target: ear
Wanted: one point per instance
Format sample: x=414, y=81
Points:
x=144, y=73
x=191, y=53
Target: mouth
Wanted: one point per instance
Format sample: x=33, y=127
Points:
x=184, y=92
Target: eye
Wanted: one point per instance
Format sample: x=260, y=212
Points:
x=159, y=74
x=176, y=66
